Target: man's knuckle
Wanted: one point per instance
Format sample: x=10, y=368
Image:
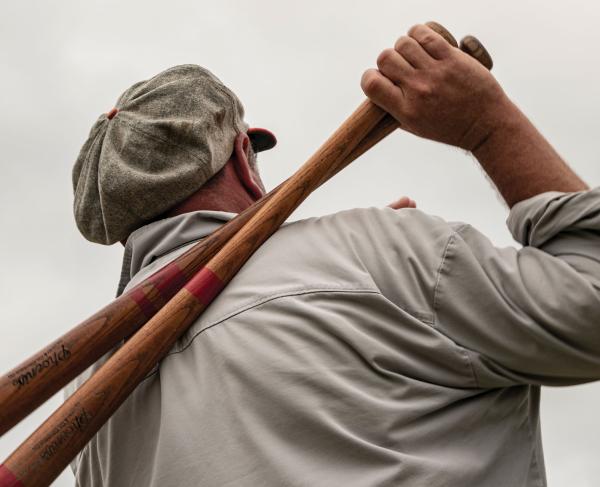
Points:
x=415, y=29
x=385, y=58
x=424, y=90
x=443, y=48
x=402, y=43
x=370, y=82
x=451, y=65
x=428, y=38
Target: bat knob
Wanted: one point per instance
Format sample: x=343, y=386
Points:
x=469, y=44
x=441, y=30
x=474, y=48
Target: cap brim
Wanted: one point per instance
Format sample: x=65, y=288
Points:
x=261, y=139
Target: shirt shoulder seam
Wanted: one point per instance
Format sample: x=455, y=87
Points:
x=261, y=301
x=436, y=304
x=266, y=299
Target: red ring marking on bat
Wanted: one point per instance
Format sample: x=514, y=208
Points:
x=169, y=280
x=205, y=285
x=139, y=296
x=8, y=479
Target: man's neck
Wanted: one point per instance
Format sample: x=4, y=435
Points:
x=232, y=203
x=227, y=194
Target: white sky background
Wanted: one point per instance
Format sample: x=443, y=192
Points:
x=296, y=66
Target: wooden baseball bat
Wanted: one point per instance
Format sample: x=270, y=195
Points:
x=67, y=431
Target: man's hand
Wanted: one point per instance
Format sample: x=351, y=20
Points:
x=403, y=202
x=435, y=90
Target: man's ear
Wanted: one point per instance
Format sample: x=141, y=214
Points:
x=241, y=150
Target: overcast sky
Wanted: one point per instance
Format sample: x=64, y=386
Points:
x=296, y=66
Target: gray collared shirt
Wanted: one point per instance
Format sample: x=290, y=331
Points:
x=371, y=347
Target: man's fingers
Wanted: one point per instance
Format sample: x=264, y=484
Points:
x=393, y=66
x=383, y=92
x=435, y=45
x=413, y=52
x=403, y=202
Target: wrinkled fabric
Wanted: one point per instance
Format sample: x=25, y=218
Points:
x=371, y=347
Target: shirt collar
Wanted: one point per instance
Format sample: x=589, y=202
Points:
x=161, y=237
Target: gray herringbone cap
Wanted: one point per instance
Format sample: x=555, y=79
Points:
x=167, y=137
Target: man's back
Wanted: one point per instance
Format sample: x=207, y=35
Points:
x=327, y=361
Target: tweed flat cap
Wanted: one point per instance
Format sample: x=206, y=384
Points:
x=163, y=140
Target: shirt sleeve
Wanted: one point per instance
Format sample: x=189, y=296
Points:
x=529, y=315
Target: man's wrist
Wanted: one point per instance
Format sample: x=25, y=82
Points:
x=519, y=160
x=496, y=129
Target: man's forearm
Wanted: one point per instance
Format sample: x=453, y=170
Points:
x=520, y=161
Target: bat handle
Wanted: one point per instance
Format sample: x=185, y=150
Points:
x=469, y=44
